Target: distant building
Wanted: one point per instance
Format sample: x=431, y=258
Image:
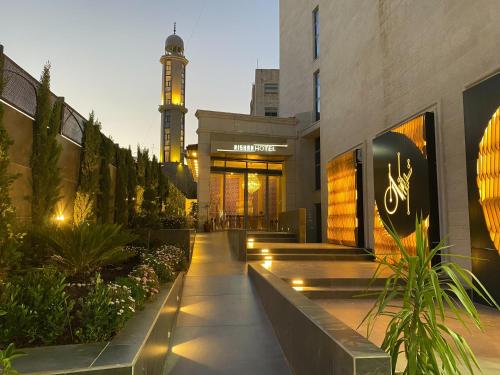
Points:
x=265, y=93
x=172, y=107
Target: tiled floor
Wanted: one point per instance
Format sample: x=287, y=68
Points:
x=486, y=345
x=221, y=327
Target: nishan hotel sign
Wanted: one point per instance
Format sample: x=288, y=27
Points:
x=250, y=148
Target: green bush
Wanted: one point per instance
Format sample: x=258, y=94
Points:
x=137, y=290
x=174, y=221
x=36, y=308
x=146, y=276
x=6, y=357
x=160, y=263
x=175, y=256
x=81, y=250
x=103, y=311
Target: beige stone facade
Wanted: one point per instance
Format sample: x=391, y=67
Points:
x=219, y=133
x=381, y=63
x=265, y=93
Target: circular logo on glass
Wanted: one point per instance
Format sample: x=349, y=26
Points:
x=401, y=181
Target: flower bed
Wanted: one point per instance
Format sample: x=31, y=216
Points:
x=63, y=302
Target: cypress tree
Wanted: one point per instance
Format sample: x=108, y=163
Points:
x=45, y=154
x=131, y=184
x=162, y=189
x=121, y=195
x=90, y=163
x=104, y=209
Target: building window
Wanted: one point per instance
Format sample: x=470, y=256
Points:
x=317, y=164
x=271, y=88
x=316, y=96
x=271, y=111
x=316, y=33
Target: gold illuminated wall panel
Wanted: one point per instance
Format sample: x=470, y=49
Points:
x=342, y=200
x=488, y=177
x=384, y=245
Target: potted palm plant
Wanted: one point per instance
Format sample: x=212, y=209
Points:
x=418, y=298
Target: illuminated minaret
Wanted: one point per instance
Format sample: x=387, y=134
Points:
x=172, y=106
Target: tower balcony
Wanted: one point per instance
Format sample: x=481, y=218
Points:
x=170, y=107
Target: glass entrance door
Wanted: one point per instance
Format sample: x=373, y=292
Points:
x=249, y=197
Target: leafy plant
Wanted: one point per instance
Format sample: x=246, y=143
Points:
x=418, y=297
x=81, y=250
x=137, y=290
x=147, y=277
x=36, y=308
x=46, y=150
x=160, y=263
x=103, y=311
x=6, y=357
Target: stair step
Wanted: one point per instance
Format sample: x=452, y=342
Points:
x=313, y=257
x=275, y=239
x=298, y=250
x=257, y=235
x=340, y=282
x=338, y=293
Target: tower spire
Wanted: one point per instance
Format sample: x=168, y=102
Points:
x=175, y=27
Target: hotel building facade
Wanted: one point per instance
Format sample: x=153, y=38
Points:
x=388, y=110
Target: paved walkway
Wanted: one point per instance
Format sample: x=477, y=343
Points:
x=221, y=327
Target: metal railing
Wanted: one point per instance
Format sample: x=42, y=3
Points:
x=20, y=91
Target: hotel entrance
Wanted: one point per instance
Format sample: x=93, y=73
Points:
x=245, y=194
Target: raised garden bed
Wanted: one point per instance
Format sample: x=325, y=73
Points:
x=139, y=348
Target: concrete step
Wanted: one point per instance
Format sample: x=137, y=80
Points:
x=259, y=235
x=315, y=292
x=257, y=249
x=309, y=256
x=275, y=240
x=339, y=282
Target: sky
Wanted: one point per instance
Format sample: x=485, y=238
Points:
x=105, y=55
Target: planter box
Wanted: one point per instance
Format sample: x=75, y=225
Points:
x=313, y=341
x=238, y=243
x=139, y=348
x=182, y=238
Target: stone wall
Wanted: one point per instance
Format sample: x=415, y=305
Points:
x=381, y=63
x=20, y=129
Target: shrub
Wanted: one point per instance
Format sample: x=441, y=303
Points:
x=174, y=221
x=81, y=250
x=103, y=311
x=137, y=289
x=6, y=357
x=160, y=263
x=175, y=256
x=37, y=308
x=147, y=277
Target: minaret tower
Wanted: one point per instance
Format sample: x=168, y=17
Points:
x=172, y=106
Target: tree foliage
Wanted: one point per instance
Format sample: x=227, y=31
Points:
x=46, y=150
x=90, y=164
x=104, y=207
x=121, y=192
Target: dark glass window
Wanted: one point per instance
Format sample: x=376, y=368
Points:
x=317, y=164
x=316, y=33
x=271, y=111
x=316, y=96
x=271, y=88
